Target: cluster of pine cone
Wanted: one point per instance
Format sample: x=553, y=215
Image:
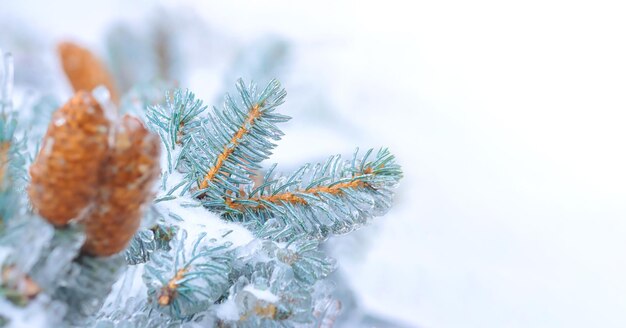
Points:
x=91, y=169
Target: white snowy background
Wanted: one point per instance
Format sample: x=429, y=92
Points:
x=509, y=119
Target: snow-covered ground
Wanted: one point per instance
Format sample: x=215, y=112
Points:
x=507, y=118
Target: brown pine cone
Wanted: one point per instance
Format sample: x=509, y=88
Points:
x=64, y=176
x=127, y=178
x=84, y=70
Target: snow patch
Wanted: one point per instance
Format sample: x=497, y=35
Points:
x=262, y=294
x=200, y=220
x=227, y=311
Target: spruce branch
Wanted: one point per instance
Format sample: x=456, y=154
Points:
x=336, y=197
x=174, y=120
x=177, y=117
x=185, y=283
x=237, y=139
x=308, y=263
x=331, y=198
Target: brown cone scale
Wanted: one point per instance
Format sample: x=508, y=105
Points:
x=127, y=177
x=64, y=176
x=84, y=70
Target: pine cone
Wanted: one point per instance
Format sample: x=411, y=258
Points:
x=126, y=184
x=84, y=70
x=64, y=176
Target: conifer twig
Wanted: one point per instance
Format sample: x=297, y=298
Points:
x=253, y=114
x=235, y=139
x=336, y=197
x=292, y=197
x=183, y=282
x=169, y=291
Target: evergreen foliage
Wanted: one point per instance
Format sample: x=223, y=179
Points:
x=224, y=243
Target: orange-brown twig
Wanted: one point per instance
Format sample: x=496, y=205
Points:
x=291, y=197
x=169, y=291
x=253, y=115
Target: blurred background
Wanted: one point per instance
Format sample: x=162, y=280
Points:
x=507, y=117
